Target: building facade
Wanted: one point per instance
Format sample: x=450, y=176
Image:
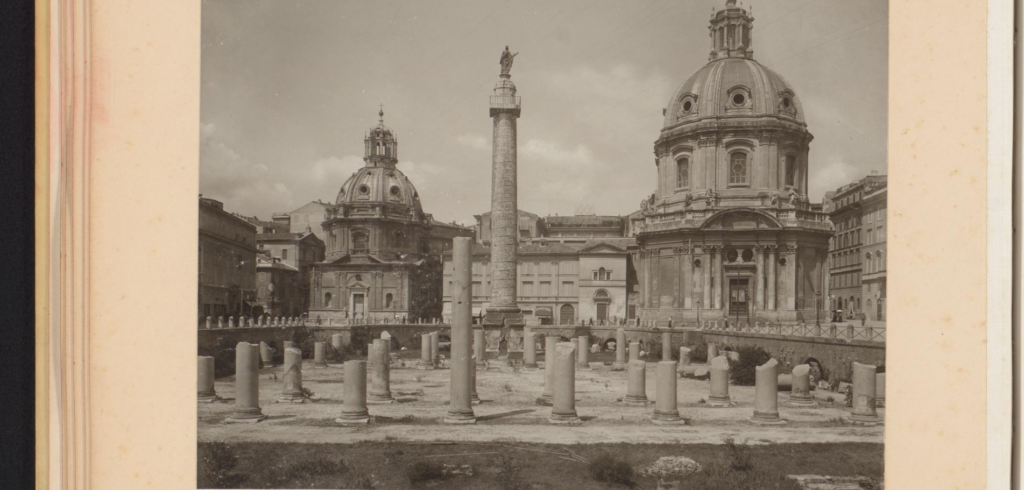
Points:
x=569, y=269
x=729, y=231
x=286, y=262
x=227, y=262
x=378, y=261
x=857, y=250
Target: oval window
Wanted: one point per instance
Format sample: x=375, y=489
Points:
x=394, y=190
x=786, y=102
x=696, y=263
x=748, y=255
x=782, y=261
x=687, y=106
x=732, y=255
x=364, y=189
x=738, y=99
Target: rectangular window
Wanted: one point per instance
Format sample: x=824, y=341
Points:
x=738, y=168
x=527, y=289
x=284, y=254
x=568, y=289
x=477, y=287
x=683, y=173
x=790, y=170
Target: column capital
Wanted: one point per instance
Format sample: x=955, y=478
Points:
x=684, y=250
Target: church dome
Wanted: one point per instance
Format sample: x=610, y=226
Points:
x=733, y=87
x=379, y=185
x=380, y=181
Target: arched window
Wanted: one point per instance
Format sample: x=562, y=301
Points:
x=388, y=299
x=399, y=239
x=738, y=168
x=791, y=170
x=567, y=315
x=327, y=300
x=880, y=259
x=683, y=173
x=869, y=264
x=360, y=242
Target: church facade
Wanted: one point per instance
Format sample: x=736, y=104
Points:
x=378, y=261
x=729, y=231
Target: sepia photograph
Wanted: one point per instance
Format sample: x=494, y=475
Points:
x=542, y=245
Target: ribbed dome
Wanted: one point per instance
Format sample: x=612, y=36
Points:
x=733, y=87
x=376, y=185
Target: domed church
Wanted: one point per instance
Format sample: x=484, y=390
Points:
x=729, y=232
x=378, y=261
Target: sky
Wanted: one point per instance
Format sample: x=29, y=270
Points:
x=289, y=88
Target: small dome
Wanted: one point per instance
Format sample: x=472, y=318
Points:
x=733, y=87
x=379, y=185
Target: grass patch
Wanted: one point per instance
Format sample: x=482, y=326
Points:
x=387, y=465
x=425, y=471
x=609, y=469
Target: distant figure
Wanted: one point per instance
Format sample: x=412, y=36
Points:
x=669, y=323
x=318, y=320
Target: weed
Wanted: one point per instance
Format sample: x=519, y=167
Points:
x=507, y=387
x=609, y=469
x=313, y=467
x=739, y=455
x=742, y=372
x=307, y=393
x=423, y=471
x=870, y=484
x=721, y=476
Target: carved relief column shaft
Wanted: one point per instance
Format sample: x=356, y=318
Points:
x=771, y=277
x=717, y=271
x=504, y=110
x=648, y=292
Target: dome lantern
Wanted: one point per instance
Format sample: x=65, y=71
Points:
x=381, y=145
x=730, y=33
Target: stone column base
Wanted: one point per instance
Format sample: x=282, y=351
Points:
x=763, y=418
x=291, y=398
x=545, y=400
x=639, y=401
x=460, y=418
x=618, y=366
x=802, y=402
x=474, y=399
x=207, y=397
x=246, y=416
x=719, y=402
x=381, y=399
x=564, y=419
x=353, y=418
x=667, y=418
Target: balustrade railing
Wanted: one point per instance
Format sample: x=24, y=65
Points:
x=846, y=332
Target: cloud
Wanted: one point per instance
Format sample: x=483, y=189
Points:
x=831, y=176
x=473, y=140
x=547, y=150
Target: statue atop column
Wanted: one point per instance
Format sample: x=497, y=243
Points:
x=506, y=61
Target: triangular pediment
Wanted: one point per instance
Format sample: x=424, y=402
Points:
x=602, y=248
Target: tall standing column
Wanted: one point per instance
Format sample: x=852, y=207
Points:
x=247, y=384
x=636, y=382
x=460, y=409
x=549, y=368
x=529, y=349
x=292, y=391
x=666, y=396
x=478, y=346
x=583, y=359
x=205, y=371
x=563, y=406
x=353, y=409
x=791, y=258
x=766, y=394
x=380, y=367
x=620, y=350
x=504, y=110
x=771, y=277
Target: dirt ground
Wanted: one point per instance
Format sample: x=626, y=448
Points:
x=509, y=412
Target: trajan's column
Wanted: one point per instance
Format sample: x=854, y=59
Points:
x=503, y=311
